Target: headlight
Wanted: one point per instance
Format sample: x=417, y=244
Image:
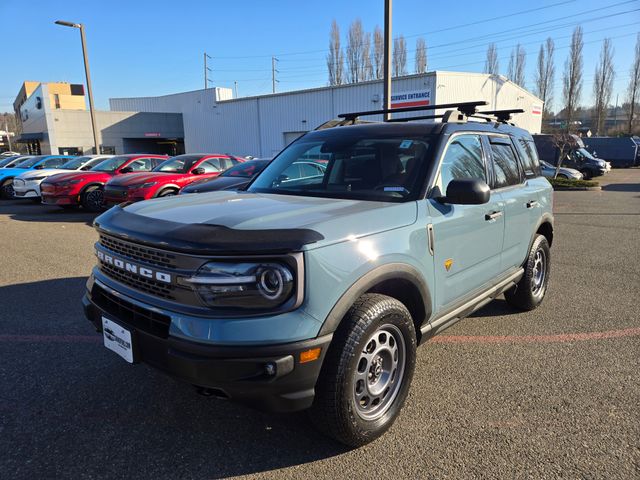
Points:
x=70, y=182
x=250, y=285
x=143, y=185
x=33, y=179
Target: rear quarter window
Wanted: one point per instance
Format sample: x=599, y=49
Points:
x=529, y=156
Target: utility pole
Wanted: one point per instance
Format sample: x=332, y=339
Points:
x=273, y=74
x=387, y=58
x=615, y=115
x=206, y=71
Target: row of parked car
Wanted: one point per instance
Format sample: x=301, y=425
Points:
x=98, y=181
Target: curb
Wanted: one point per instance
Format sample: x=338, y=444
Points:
x=577, y=189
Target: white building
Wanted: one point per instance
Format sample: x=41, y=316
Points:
x=262, y=125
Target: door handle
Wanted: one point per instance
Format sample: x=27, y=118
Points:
x=493, y=215
x=532, y=203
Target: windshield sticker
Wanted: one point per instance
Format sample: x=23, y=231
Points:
x=406, y=144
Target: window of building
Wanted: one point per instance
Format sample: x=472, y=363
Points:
x=56, y=100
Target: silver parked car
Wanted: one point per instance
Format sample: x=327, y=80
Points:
x=549, y=171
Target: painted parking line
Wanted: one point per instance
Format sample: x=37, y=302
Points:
x=469, y=339
x=557, y=338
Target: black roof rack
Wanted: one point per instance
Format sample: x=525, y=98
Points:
x=409, y=119
x=502, y=115
x=466, y=108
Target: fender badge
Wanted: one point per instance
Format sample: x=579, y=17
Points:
x=447, y=264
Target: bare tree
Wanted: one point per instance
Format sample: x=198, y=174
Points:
x=545, y=72
x=335, y=57
x=421, y=56
x=367, y=67
x=355, y=52
x=399, y=56
x=517, y=64
x=572, y=79
x=378, y=53
x=634, y=86
x=603, y=85
x=491, y=65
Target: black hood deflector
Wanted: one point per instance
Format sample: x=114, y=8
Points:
x=202, y=238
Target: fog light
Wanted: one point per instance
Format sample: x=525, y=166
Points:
x=310, y=355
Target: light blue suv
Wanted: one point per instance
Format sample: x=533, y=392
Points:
x=314, y=292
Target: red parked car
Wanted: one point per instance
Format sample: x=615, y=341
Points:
x=168, y=178
x=86, y=188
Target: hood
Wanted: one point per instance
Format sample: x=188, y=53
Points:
x=200, y=222
x=47, y=172
x=72, y=175
x=215, y=184
x=14, y=172
x=129, y=179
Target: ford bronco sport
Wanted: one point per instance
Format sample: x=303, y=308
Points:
x=313, y=292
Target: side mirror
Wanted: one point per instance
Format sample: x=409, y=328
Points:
x=38, y=167
x=467, y=191
x=198, y=171
x=126, y=170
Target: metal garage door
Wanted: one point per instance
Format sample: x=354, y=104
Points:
x=291, y=136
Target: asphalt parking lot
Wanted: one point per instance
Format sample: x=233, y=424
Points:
x=545, y=394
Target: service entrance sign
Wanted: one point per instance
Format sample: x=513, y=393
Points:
x=417, y=98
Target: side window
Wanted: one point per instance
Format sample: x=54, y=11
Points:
x=157, y=161
x=310, y=169
x=211, y=166
x=505, y=165
x=227, y=163
x=54, y=162
x=141, y=165
x=530, y=160
x=463, y=159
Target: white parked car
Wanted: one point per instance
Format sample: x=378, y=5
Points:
x=27, y=185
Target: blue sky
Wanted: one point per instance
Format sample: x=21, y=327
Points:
x=141, y=47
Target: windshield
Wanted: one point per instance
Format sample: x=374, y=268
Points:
x=344, y=165
x=179, y=164
x=581, y=152
x=246, y=169
x=7, y=161
x=75, y=163
x=29, y=162
x=111, y=164
x=16, y=161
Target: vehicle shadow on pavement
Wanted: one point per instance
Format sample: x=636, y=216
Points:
x=76, y=409
x=496, y=308
x=26, y=211
x=622, y=187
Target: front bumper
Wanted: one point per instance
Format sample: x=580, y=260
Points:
x=267, y=377
x=26, y=189
x=59, y=199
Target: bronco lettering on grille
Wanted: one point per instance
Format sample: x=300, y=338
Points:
x=133, y=268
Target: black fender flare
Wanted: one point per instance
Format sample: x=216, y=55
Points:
x=389, y=271
x=546, y=218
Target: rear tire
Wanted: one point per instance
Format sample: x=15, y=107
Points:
x=92, y=199
x=367, y=372
x=586, y=174
x=532, y=287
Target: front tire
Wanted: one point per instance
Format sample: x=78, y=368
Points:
x=532, y=287
x=92, y=199
x=586, y=174
x=367, y=371
x=6, y=189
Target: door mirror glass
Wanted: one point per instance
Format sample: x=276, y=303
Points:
x=198, y=171
x=126, y=170
x=467, y=191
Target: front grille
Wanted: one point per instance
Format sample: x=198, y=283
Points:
x=138, y=252
x=141, y=318
x=146, y=285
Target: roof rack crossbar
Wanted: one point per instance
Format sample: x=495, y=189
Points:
x=503, y=115
x=409, y=119
x=467, y=108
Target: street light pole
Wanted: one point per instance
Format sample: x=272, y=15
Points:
x=88, y=76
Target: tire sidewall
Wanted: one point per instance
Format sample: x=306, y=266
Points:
x=540, y=243
x=83, y=198
x=374, y=428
